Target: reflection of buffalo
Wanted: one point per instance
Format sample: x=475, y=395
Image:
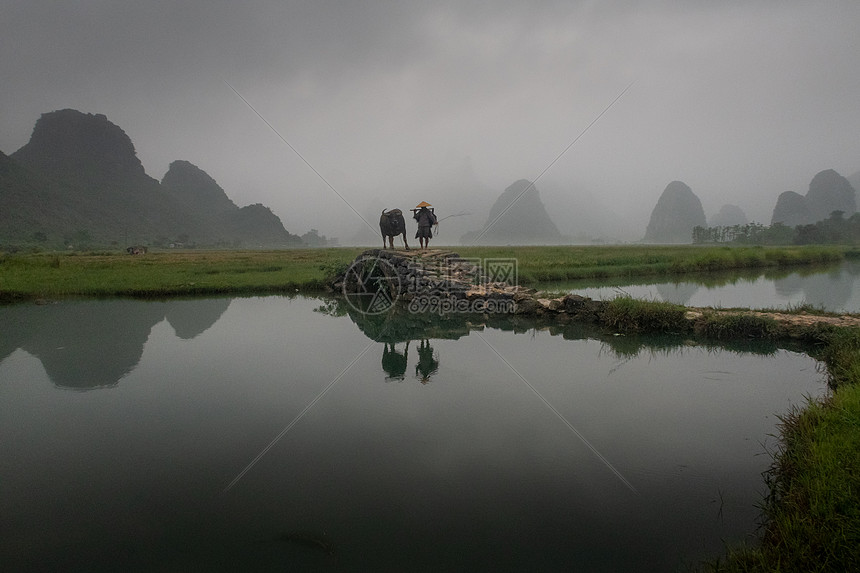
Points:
x=393, y=362
x=391, y=224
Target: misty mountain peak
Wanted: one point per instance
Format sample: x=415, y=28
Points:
x=79, y=174
x=791, y=210
x=677, y=212
x=195, y=188
x=828, y=192
x=518, y=217
x=729, y=215
x=72, y=142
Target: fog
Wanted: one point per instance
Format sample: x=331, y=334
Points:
x=393, y=103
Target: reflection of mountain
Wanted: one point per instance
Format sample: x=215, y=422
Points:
x=831, y=290
x=91, y=344
x=191, y=318
x=788, y=286
x=677, y=293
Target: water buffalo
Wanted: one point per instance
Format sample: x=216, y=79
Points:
x=391, y=224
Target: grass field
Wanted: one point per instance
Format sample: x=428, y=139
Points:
x=172, y=273
x=168, y=273
x=544, y=264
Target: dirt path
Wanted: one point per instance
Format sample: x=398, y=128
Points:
x=785, y=319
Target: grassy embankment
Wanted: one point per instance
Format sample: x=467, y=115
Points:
x=812, y=512
x=171, y=273
x=811, y=516
x=168, y=273
x=544, y=264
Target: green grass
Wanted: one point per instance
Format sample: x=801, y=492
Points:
x=628, y=315
x=841, y=354
x=171, y=273
x=733, y=326
x=168, y=273
x=545, y=264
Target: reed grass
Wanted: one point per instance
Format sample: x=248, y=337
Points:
x=628, y=315
x=734, y=326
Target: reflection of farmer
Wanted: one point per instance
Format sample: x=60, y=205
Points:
x=427, y=365
x=393, y=362
x=423, y=213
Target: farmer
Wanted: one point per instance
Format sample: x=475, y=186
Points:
x=424, y=214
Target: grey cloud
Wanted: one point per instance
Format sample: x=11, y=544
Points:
x=741, y=100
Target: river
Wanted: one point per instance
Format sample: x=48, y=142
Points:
x=835, y=288
x=277, y=432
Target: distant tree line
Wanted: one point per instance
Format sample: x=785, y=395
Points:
x=836, y=229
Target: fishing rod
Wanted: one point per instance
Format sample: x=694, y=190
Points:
x=460, y=214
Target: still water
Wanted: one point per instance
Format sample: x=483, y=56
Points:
x=835, y=288
x=294, y=433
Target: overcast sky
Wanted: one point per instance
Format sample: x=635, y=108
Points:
x=389, y=100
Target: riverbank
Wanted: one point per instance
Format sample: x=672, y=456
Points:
x=188, y=273
x=168, y=273
x=811, y=515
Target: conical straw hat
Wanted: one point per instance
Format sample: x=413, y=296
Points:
x=423, y=204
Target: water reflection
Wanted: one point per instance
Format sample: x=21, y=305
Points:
x=678, y=293
x=831, y=290
x=94, y=343
x=468, y=472
x=832, y=287
x=395, y=363
x=428, y=363
x=395, y=330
